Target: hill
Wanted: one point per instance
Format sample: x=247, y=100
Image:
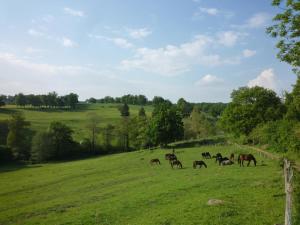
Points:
x=125, y=189
x=76, y=119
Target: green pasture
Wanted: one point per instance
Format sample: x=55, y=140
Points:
x=76, y=119
x=125, y=189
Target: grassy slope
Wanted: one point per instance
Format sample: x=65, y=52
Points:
x=125, y=189
x=40, y=119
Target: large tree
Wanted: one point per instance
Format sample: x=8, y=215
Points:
x=287, y=30
x=249, y=108
x=165, y=125
x=93, y=121
x=19, y=136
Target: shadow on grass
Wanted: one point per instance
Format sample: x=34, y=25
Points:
x=9, y=167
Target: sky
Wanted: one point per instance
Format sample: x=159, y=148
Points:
x=200, y=50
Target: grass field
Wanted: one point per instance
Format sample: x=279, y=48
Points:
x=76, y=119
x=125, y=189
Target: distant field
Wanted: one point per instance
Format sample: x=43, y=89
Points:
x=76, y=119
x=125, y=189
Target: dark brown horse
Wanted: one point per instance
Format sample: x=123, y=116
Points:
x=176, y=163
x=246, y=157
x=154, y=161
x=199, y=163
x=169, y=155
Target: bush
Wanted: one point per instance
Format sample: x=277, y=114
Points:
x=5, y=154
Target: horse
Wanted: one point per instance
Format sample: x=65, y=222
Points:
x=199, y=163
x=221, y=159
x=169, y=155
x=176, y=163
x=206, y=155
x=246, y=157
x=172, y=158
x=217, y=156
x=231, y=157
x=226, y=162
x=154, y=161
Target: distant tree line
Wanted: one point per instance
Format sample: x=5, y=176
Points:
x=50, y=100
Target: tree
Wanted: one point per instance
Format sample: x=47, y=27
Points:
x=19, y=136
x=293, y=102
x=142, y=112
x=72, y=100
x=249, y=108
x=20, y=100
x=91, y=100
x=184, y=107
x=93, y=121
x=43, y=148
x=107, y=132
x=61, y=136
x=124, y=110
x=165, y=125
x=199, y=125
x=2, y=100
x=3, y=131
x=287, y=29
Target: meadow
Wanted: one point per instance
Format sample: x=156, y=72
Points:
x=76, y=119
x=125, y=189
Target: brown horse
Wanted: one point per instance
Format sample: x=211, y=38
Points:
x=169, y=155
x=176, y=163
x=199, y=163
x=246, y=157
x=154, y=161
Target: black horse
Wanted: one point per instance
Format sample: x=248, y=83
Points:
x=217, y=156
x=206, y=155
x=199, y=163
x=221, y=159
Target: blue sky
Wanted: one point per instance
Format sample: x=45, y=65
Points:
x=196, y=49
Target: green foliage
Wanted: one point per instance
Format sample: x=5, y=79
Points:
x=43, y=147
x=124, y=110
x=2, y=100
x=3, y=132
x=165, y=125
x=287, y=30
x=61, y=136
x=20, y=100
x=93, y=121
x=19, y=136
x=199, y=125
x=5, y=154
x=293, y=102
x=142, y=112
x=249, y=108
x=280, y=135
x=184, y=107
x=213, y=109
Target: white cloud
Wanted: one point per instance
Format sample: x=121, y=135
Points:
x=248, y=53
x=35, y=33
x=209, y=11
x=68, y=43
x=258, y=20
x=32, y=50
x=139, y=33
x=173, y=60
x=265, y=79
x=228, y=38
x=73, y=12
x=120, y=42
x=208, y=80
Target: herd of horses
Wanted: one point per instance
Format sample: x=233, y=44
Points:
x=223, y=161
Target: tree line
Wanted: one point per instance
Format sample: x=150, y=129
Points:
x=50, y=100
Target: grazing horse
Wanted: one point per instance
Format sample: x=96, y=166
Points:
x=176, y=163
x=206, y=155
x=154, y=161
x=169, y=155
x=226, y=162
x=231, y=157
x=217, y=156
x=173, y=158
x=220, y=160
x=246, y=157
x=199, y=163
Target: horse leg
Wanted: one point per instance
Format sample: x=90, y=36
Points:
x=242, y=162
x=249, y=163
